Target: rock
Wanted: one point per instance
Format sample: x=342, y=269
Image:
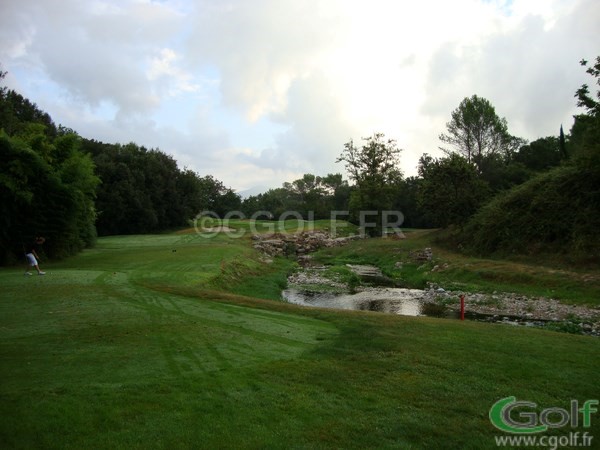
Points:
x=274, y=242
x=279, y=244
x=421, y=255
x=365, y=271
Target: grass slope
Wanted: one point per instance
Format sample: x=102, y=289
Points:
x=135, y=345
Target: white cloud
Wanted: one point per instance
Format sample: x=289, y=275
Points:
x=163, y=68
x=259, y=92
x=260, y=47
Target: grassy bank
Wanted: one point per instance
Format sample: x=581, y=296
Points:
x=161, y=342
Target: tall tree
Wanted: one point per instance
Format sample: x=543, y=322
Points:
x=475, y=131
x=374, y=169
x=562, y=143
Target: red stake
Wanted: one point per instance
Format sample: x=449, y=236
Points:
x=462, y=307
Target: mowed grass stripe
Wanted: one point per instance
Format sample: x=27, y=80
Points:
x=92, y=317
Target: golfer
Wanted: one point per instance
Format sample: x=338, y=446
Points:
x=32, y=256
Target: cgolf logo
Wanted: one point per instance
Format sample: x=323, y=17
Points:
x=528, y=421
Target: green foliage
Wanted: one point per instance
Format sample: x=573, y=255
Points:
x=56, y=184
x=558, y=211
x=451, y=190
x=144, y=191
x=270, y=204
x=541, y=154
x=566, y=326
x=500, y=173
x=47, y=187
x=311, y=197
x=585, y=134
x=583, y=95
x=17, y=113
x=475, y=131
x=374, y=169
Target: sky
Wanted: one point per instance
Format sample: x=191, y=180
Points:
x=259, y=92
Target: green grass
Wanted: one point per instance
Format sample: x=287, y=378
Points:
x=135, y=345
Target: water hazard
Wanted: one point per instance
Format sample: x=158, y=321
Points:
x=311, y=288
x=407, y=302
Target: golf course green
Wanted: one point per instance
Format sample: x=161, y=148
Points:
x=179, y=341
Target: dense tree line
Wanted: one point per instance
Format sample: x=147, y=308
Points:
x=144, y=191
x=56, y=183
x=47, y=184
x=447, y=191
x=70, y=189
x=310, y=197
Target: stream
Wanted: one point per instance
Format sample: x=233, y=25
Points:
x=309, y=287
x=407, y=302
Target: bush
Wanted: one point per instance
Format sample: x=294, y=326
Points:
x=558, y=212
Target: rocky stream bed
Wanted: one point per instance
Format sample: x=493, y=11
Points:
x=311, y=286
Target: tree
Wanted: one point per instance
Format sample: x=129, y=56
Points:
x=144, y=191
x=584, y=99
x=317, y=196
x=274, y=202
x=562, y=143
x=311, y=196
x=50, y=192
x=531, y=208
x=475, y=131
x=17, y=112
x=585, y=133
x=541, y=154
x=338, y=192
x=451, y=190
x=47, y=184
x=406, y=201
x=374, y=169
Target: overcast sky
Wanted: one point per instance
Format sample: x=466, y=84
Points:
x=258, y=92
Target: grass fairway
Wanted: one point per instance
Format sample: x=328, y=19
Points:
x=148, y=342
